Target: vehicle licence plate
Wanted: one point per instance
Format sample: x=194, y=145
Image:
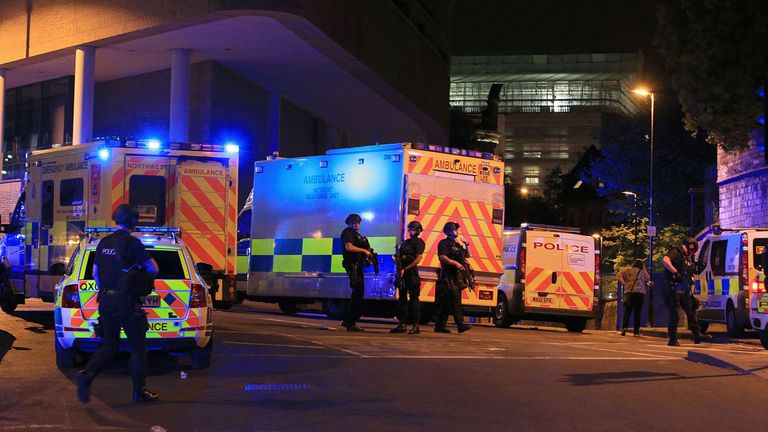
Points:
x=151, y=301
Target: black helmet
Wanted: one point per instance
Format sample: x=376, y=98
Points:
x=353, y=218
x=126, y=215
x=450, y=226
x=416, y=226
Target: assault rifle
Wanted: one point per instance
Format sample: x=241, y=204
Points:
x=372, y=260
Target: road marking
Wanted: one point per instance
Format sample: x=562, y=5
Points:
x=274, y=345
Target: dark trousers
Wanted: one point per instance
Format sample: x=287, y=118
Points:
x=634, y=304
x=681, y=298
x=448, y=297
x=357, y=284
x=134, y=322
x=408, y=304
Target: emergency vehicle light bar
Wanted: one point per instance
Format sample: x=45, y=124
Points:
x=543, y=227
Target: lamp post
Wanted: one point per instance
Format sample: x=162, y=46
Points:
x=651, y=228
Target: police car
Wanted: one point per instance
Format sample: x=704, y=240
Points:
x=178, y=310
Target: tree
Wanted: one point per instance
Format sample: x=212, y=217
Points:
x=715, y=51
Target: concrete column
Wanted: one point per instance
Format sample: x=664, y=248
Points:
x=273, y=126
x=179, y=118
x=85, y=65
x=2, y=120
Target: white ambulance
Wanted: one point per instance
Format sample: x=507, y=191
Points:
x=727, y=261
x=551, y=273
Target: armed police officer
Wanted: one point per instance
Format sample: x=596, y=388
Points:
x=409, y=255
x=118, y=307
x=355, y=256
x=678, y=271
x=453, y=263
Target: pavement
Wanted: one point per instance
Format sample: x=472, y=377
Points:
x=745, y=355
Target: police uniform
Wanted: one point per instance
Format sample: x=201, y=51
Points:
x=678, y=294
x=353, y=264
x=449, y=286
x=408, y=304
x=119, y=309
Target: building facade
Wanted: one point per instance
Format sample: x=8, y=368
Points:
x=289, y=77
x=551, y=105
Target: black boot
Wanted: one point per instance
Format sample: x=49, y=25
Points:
x=141, y=394
x=84, y=380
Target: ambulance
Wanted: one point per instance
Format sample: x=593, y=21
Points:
x=551, y=273
x=728, y=260
x=66, y=189
x=299, y=206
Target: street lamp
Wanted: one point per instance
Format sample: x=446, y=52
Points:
x=651, y=228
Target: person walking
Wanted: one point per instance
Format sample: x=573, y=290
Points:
x=118, y=307
x=453, y=259
x=678, y=271
x=634, y=279
x=409, y=255
x=354, y=258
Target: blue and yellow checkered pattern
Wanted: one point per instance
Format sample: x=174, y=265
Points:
x=312, y=255
x=729, y=287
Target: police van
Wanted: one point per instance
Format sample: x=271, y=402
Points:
x=178, y=309
x=551, y=273
x=727, y=261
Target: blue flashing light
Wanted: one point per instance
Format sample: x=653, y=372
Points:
x=103, y=154
x=153, y=144
x=231, y=148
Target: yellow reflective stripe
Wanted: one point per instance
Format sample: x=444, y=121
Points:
x=262, y=246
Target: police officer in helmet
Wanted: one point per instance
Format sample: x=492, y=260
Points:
x=409, y=254
x=118, y=308
x=355, y=256
x=453, y=259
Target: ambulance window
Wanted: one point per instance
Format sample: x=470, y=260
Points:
x=71, y=192
x=758, y=245
x=46, y=198
x=717, y=257
x=147, y=193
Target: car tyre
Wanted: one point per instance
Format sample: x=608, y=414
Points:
x=288, y=307
x=335, y=308
x=735, y=330
x=576, y=325
x=201, y=357
x=65, y=357
x=501, y=316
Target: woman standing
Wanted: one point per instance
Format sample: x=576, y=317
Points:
x=635, y=280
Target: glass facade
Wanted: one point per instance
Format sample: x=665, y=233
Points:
x=37, y=117
x=551, y=106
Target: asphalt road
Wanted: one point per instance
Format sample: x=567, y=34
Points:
x=274, y=372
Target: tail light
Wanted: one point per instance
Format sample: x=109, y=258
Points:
x=744, y=265
x=521, y=266
x=198, y=297
x=70, y=296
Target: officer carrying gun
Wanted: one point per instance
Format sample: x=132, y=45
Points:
x=408, y=283
x=452, y=279
x=356, y=253
x=678, y=271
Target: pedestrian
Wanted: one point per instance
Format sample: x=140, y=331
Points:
x=634, y=279
x=118, y=308
x=453, y=260
x=678, y=272
x=409, y=255
x=355, y=256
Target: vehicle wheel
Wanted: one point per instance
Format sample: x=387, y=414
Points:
x=287, y=307
x=576, y=325
x=427, y=313
x=501, y=316
x=222, y=305
x=764, y=338
x=735, y=330
x=201, y=357
x=335, y=308
x=703, y=326
x=65, y=357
